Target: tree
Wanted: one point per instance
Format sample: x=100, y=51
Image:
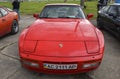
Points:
x=66, y=0
x=82, y=3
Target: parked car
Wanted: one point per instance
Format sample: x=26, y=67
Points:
x=61, y=40
x=8, y=21
x=109, y=18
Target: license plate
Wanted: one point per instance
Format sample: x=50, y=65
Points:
x=60, y=66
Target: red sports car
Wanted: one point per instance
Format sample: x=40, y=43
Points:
x=61, y=40
x=8, y=21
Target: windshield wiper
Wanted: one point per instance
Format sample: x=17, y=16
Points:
x=44, y=17
x=49, y=17
x=63, y=17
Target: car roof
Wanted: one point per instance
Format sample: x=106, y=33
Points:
x=63, y=4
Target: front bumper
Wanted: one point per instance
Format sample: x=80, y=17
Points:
x=35, y=63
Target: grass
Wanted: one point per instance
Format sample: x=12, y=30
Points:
x=29, y=8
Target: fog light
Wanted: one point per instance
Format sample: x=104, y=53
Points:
x=88, y=65
x=32, y=64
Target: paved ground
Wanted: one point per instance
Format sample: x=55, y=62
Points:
x=10, y=67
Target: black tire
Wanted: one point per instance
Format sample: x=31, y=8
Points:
x=99, y=24
x=14, y=27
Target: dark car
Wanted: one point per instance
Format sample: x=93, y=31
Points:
x=109, y=18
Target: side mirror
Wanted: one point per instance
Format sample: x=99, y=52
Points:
x=89, y=16
x=36, y=16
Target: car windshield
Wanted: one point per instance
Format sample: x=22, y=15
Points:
x=62, y=11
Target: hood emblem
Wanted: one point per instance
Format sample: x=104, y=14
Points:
x=60, y=45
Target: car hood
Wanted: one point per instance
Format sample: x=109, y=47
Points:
x=61, y=38
x=56, y=29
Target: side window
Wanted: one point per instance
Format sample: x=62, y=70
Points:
x=112, y=10
x=4, y=12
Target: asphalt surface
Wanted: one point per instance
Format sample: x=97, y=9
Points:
x=10, y=67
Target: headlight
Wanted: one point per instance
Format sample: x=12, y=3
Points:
x=92, y=47
x=29, y=46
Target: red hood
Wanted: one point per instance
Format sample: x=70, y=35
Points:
x=61, y=37
x=59, y=29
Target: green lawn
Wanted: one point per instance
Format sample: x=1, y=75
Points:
x=29, y=8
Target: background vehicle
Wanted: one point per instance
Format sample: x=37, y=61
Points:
x=109, y=18
x=8, y=21
x=61, y=40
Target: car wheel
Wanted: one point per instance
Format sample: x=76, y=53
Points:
x=15, y=27
x=99, y=24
